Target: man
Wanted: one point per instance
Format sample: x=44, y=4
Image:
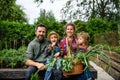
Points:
x=35, y=57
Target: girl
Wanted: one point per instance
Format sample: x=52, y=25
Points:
x=82, y=42
x=82, y=46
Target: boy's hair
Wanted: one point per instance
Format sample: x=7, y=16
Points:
x=84, y=35
x=51, y=33
x=40, y=25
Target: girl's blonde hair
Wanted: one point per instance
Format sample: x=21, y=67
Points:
x=84, y=35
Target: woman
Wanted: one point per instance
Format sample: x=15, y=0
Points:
x=70, y=41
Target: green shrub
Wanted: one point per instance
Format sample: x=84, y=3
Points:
x=13, y=58
x=109, y=38
x=112, y=48
x=14, y=34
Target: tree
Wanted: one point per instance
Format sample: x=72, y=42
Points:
x=45, y=17
x=41, y=1
x=99, y=25
x=48, y=19
x=11, y=12
x=85, y=9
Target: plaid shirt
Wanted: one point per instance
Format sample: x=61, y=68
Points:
x=63, y=44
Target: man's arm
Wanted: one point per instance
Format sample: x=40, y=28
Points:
x=29, y=57
x=40, y=66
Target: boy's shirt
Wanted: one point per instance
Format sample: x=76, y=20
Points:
x=49, y=49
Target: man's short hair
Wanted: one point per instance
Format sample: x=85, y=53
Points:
x=40, y=25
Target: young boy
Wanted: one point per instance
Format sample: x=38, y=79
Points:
x=53, y=52
x=82, y=46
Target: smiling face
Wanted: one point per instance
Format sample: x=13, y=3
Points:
x=40, y=33
x=70, y=30
x=53, y=38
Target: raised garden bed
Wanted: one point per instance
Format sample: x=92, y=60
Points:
x=114, y=68
x=19, y=74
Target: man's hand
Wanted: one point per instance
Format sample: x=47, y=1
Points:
x=40, y=66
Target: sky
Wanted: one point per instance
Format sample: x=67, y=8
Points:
x=32, y=9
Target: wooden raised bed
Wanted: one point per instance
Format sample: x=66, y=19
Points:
x=19, y=74
x=12, y=73
x=114, y=68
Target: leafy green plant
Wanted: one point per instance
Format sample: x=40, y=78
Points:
x=35, y=76
x=14, y=34
x=11, y=57
x=68, y=63
x=96, y=50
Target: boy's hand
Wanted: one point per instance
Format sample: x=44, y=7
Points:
x=57, y=54
x=53, y=44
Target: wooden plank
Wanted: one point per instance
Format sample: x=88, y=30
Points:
x=12, y=73
x=114, y=74
x=113, y=55
x=113, y=64
x=20, y=73
x=114, y=68
x=110, y=70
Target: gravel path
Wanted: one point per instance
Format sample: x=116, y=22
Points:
x=102, y=75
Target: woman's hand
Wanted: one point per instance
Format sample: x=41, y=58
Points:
x=74, y=46
x=69, y=41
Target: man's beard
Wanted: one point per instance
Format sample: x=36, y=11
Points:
x=40, y=37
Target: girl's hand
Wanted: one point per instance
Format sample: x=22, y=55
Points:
x=89, y=48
